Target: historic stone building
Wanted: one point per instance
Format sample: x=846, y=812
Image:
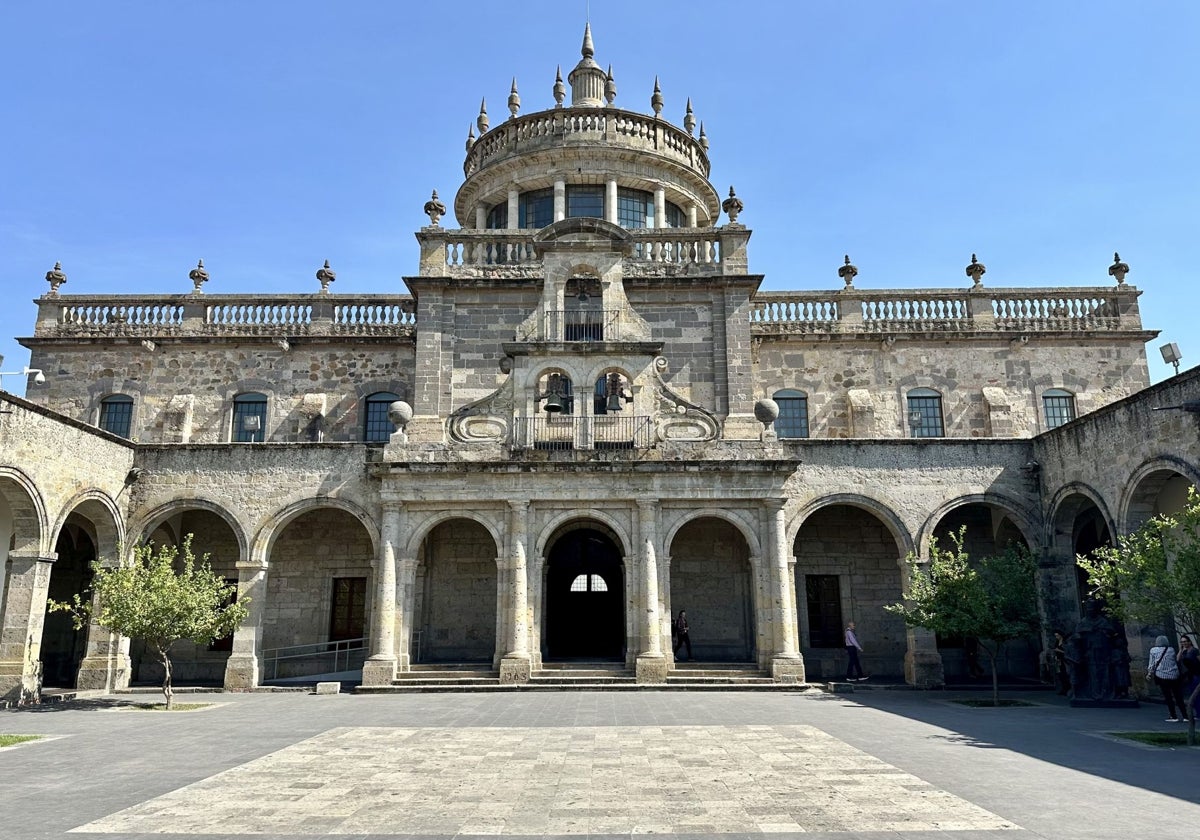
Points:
x=582, y=417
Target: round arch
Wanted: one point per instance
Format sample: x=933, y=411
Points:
x=885, y=514
x=30, y=522
x=1146, y=482
x=743, y=527
x=280, y=519
x=425, y=528
x=99, y=509
x=550, y=532
x=146, y=524
x=1020, y=515
x=1061, y=505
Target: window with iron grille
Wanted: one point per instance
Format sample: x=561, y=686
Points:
x=116, y=414
x=1059, y=406
x=793, y=413
x=585, y=201
x=925, y=413
x=376, y=425
x=249, y=418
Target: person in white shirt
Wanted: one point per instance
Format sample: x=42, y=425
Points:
x=854, y=670
x=1164, y=668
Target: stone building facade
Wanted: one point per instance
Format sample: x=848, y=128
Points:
x=581, y=417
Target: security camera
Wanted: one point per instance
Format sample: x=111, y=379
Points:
x=39, y=377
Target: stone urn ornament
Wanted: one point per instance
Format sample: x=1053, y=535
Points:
x=325, y=276
x=55, y=277
x=848, y=272
x=732, y=206
x=1118, y=269
x=766, y=411
x=434, y=209
x=199, y=277
x=400, y=413
x=975, y=271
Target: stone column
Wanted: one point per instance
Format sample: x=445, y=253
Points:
x=660, y=208
x=922, y=662
x=691, y=215
x=242, y=668
x=21, y=632
x=651, y=664
x=560, y=200
x=786, y=664
x=406, y=580
x=515, y=665
x=514, y=209
x=105, y=664
x=610, y=200
x=480, y=217
x=380, y=667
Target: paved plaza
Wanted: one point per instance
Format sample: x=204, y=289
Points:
x=875, y=764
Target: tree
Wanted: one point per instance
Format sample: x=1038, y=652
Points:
x=993, y=599
x=150, y=599
x=1153, y=575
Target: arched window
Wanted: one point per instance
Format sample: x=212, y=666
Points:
x=556, y=389
x=611, y=393
x=589, y=583
x=925, y=413
x=793, y=413
x=1059, y=407
x=116, y=414
x=249, y=418
x=376, y=425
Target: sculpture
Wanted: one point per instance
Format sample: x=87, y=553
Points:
x=326, y=275
x=199, y=277
x=732, y=206
x=435, y=209
x=1097, y=659
x=56, y=278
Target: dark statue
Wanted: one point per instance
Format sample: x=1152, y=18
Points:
x=1097, y=659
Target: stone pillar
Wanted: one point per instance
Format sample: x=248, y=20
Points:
x=651, y=663
x=515, y=665
x=480, y=217
x=560, y=200
x=514, y=209
x=922, y=662
x=610, y=200
x=660, y=208
x=242, y=669
x=691, y=215
x=786, y=663
x=105, y=664
x=406, y=585
x=21, y=632
x=380, y=667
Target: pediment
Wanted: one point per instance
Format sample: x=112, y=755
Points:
x=583, y=234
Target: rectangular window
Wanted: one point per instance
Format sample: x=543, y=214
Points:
x=585, y=201
x=824, y=596
x=635, y=209
x=348, y=614
x=793, y=417
x=536, y=209
x=116, y=415
x=249, y=421
x=925, y=417
x=1059, y=410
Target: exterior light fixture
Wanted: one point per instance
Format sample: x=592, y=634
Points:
x=1171, y=355
x=39, y=378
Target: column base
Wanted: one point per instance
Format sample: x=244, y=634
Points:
x=20, y=685
x=923, y=669
x=787, y=670
x=241, y=673
x=651, y=669
x=108, y=673
x=379, y=671
x=514, y=669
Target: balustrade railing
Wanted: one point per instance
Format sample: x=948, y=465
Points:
x=582, y=325
x=906, y=312
x=598, y=432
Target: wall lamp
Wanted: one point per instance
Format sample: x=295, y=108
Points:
x=1171, y=355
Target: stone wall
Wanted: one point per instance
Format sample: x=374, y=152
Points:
x=456, y=593
x=712, y=580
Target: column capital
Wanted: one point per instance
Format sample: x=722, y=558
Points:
x=519, y=505
x=774, y=505
x=650, y=504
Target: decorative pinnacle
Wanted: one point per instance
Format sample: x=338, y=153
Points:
x=976, y=270
x=514, y=99
x=56, y=278
x=482, y=121
x=703, y=137
x=470, y=137
x=732, y=206
x=656, y=100
x=589, y=49
x=1118, y=269
x=326, y=275
x=689, y=119
x=560, y=90
x=610, y=87
x=199, y=277
x=434, y=209
x=848, y=272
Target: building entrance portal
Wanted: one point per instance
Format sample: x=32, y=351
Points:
x=585, y=598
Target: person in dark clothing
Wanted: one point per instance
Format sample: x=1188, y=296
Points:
x=1189, y=670
x=1062, y=677
x=971, y=653
x=680, y=634
x=854, y=669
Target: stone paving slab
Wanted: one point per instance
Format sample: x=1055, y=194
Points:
x=558, y=781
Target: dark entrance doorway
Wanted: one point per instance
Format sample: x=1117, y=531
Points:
x=585, y=598
x=63, y=646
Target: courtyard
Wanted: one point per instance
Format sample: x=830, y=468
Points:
x=872, y=764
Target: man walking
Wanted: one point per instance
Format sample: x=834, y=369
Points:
x=681, y=636
x=854, y=671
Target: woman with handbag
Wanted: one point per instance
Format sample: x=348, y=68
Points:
x=1163, y=668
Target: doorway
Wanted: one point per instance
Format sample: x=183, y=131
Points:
x=585, y=598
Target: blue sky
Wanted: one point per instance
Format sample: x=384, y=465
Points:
x=267, y=137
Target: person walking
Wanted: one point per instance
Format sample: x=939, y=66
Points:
x=682, y=638
x=1164, y=669
x=1189, y=670
x=854, y=670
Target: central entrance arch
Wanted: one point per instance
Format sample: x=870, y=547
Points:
x=585, y=597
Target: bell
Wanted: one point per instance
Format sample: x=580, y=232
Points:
x=614, y=401
x=554, y=404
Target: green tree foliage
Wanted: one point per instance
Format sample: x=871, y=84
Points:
x=163, y=596
x=993, y=599
x=1153, y=574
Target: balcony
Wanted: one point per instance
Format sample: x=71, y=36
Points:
x=564, y=432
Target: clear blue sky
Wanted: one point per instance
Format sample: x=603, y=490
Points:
x=266, y=137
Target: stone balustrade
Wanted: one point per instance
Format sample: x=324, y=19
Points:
x=160, y=316
x=1073, y=310
x=562, y=126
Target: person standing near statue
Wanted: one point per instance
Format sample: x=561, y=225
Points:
x=854, y=670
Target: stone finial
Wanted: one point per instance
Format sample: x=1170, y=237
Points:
x=199, y=277
x=514, y=99
x=560, y=90
x=482, y=120
x=470, y=137
x=610, y=87
x=55, y=278
x=656, y=99
x=732, y=206
x=976, y=270
x=434, y=209
x=588, y=50
x=1118, y=269
x=848, y=272
x=689, y=119
x=703, y=137
x=326, y=275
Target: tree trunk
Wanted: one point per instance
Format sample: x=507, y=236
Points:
x=995, y=674
x=166, y=686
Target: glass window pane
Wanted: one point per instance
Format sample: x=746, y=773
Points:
x=376, y=425
x=116, y=414
x=497, y=218
x=579, y=584
x=249, y=418
x=1059, y=407
x=925, y=416
x=793, y=414
x=585, y=201
x=635, y=208
x=674, y=216
x=537, y=209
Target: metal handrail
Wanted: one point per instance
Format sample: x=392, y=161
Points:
x=342, y=647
